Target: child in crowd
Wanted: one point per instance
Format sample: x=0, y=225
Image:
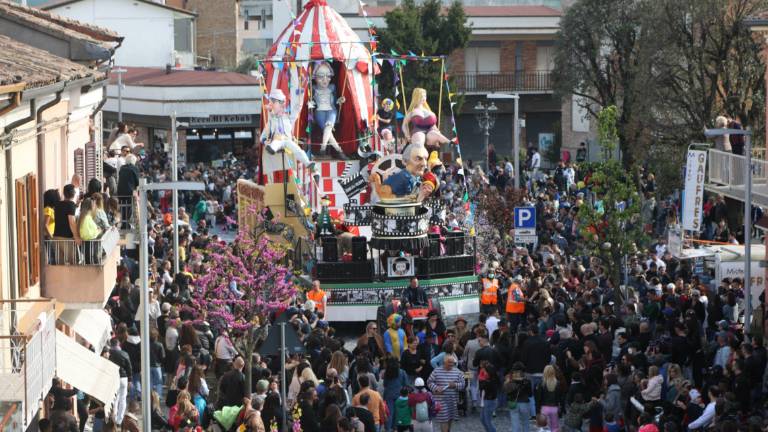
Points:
x=403, y=412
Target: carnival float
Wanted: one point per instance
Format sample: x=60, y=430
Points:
x=358, y=191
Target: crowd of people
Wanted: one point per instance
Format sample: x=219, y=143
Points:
x=557, y=345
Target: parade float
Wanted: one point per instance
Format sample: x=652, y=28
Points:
x=373, y=221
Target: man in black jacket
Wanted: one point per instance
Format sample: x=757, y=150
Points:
x=127, y=182
x=535, y=353
x=121, y=359
x=362, y=413
x=232, y=385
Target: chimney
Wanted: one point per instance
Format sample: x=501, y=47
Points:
x=168, y=69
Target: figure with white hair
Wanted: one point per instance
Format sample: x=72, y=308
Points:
x=324, y=103
x=277, y=135
x=127, y=183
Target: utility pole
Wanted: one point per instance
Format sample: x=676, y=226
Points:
x=146, y=388
x=119, y=72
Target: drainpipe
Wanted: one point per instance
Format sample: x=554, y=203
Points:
x=41, y=179
x=9, y=201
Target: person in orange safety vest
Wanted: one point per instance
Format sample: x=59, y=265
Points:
x=317, y=295
x=515, y=305
x=489, y=296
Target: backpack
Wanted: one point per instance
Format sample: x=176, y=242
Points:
x=422, y=411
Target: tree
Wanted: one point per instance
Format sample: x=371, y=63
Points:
x=708, y=65
x=245, y=281
x=611, y=228
x=420, y=29
x=495, y=219
x=600, y=57
x=669, y=66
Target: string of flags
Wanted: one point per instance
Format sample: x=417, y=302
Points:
x=454, y=130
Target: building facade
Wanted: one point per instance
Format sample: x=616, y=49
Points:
x=51, y=95
x=156, y=34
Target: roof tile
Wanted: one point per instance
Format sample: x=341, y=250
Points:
x=35, y=67
x=157, y=77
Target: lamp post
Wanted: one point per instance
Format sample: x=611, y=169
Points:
x=144, y=187
x=747, y=134
x=516, y=137
x=175, y=177
x=486, y=119
x=119, y=72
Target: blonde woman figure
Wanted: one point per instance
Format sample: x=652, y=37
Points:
x=420, y=123
x=549, y=397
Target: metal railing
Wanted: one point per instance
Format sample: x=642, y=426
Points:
x=730, y=169
x=28, y=361
x=87, y=253
x=510, y=81
x=129, y=213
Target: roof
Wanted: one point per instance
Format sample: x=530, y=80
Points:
x=157, y=77
x=58, y=3
x=487, y=11
x=57, y=25
x=35, y=67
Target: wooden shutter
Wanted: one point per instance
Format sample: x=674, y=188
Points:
x=22, y=240
x=34, y=230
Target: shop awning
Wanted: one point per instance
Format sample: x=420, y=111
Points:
x=86, y=370
x=93, y=325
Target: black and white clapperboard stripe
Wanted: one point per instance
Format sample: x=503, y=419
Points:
x=352, y=184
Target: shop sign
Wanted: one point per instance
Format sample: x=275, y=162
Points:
x=221, y=120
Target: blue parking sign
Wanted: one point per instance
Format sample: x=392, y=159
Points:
x=525, y=218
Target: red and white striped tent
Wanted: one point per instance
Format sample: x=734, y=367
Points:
x=320, y=33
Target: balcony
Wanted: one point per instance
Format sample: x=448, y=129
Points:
x=726, y=175
x=530, y=82
x=82, y=276
x=27, y=359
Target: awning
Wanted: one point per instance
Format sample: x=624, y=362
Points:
x=93, y=325
x=86, y=370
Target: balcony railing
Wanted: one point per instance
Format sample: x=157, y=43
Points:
x=82, y=276
x=537, y=81
x=27, y=357
x=726, y=174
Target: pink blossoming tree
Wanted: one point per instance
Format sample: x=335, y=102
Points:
x=244, y=282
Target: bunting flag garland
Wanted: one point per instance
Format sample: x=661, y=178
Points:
x=455, y=131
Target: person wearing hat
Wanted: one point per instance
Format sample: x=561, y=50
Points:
x=422, y=405
x=489, y=296
x=277, y=135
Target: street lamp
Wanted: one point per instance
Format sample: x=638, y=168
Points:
x=146, y=390
x=747, y=134
x=516, y=147
x=486, y=119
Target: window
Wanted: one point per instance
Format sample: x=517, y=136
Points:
x=545, y=58
x=482, y=60
x=28, y=229
x=182, y=34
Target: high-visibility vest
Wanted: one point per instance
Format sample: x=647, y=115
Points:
x=515, y=306
x=317, y=297
x=490, y=290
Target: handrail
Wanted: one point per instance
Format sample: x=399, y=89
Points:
x=504, y=81
x=88, y=253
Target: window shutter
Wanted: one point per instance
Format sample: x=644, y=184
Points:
x=80, y=165
x=22, y=240
x=34, y=230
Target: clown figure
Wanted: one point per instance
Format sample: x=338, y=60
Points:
x=394, y=337
x=278, y=135
x=324, y=103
